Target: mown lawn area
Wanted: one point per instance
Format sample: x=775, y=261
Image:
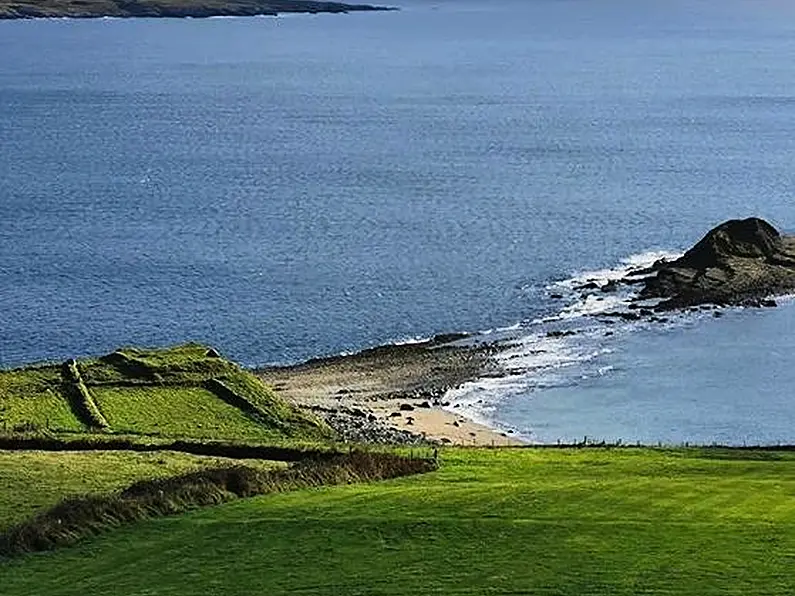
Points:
x=508, y=521
x=32, y=480
x=174, y=412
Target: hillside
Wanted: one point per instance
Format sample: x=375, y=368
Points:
x=25, y=9
x=490, y=521
x=187, y=391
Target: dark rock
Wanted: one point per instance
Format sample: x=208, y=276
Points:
x=560, y=333
x=212, y=353
x=455, y=423
x=406, y=407
x=425, y=404
x=740, y=262
x=610, y=286
x=627, y=316
x=395, y=415
x=769, y=303
x=717, y=314
x=556, y=296
x=591, y=285
x=448, y=338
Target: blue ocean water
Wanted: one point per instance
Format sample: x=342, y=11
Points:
x=290, y=187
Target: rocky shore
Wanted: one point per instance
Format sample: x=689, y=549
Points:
x=82, y=9
x=396, y=393
x=393, y=393
x=740, y=262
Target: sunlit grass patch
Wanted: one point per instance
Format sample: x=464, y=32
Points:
x=173, y=411
x=31, y=399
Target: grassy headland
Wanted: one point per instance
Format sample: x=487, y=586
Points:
x=567, y=521
x=177, y=422
x=185, y=391
x=490, y=521
x=27, y=9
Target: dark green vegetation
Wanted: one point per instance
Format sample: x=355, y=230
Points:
x=32, y=480
x=21, y=9
x=75, y=519
x=177, y=423
x=506, y=521
x=186, y=391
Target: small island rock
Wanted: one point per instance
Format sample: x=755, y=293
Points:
x=740, y=262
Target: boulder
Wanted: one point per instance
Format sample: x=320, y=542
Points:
x=740, y=262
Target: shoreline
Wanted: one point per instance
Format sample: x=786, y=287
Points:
x=394, y=393
x=104, y=9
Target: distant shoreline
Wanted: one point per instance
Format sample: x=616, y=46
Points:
x=95, y=9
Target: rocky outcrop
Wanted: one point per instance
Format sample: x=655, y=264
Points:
x=738, y=263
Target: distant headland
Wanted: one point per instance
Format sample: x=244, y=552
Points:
x=84, y=9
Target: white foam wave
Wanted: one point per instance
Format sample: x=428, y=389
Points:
x=625, y=267
x=539, y=358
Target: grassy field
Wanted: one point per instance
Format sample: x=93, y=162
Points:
x=174, y=411
x=31, y=398
x=183, y=391
x=508, y=521
x=32, y=480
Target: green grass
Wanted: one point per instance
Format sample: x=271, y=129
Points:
x=509, y=521
x=161, y=392
x=32, y=398
x=187, y=363
x=277, y=413
x=175, y=412
x=33, y=480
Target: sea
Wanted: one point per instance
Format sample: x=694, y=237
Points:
x=290, y=187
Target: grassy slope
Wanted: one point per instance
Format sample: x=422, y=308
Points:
x=32, y=396
x=489, y=522
x=174, y=411
x=156, y=392
x=31, y=480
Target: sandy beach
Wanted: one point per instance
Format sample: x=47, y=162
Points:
x=393, y=393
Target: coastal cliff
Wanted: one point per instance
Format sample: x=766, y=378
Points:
x=30, y=9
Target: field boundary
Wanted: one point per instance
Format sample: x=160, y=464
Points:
x=228, y=395
x=83, y=404
x=75, y=519
x=209, y=448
